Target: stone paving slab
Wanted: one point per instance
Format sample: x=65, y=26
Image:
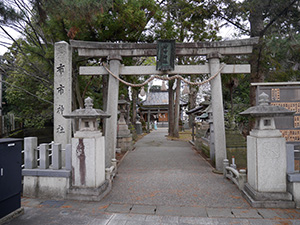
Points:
x=52, y=203
x=30, y=202
x=101, y=222
x=288, y=213
x=181, y=211
x=219, y=212
x=246, y=213
x=136, y=217
x=143, y=209
x=268, y=214
x=119, y=208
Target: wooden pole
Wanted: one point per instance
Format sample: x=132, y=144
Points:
x=177, y=109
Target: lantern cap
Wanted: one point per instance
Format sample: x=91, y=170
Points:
x=122, y=100
x=264, y=109
x=87, y=112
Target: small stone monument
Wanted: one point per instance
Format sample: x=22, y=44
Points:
x=88, y=154
x=124, y=137
x=266, y=158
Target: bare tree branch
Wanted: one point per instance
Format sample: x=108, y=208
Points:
x=277, y=17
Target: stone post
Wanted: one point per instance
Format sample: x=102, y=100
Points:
x=30, y=146
x=242, y=178
x=290, y=154
x=112, y=109
x=56, y=156
x=218, y=112
x=68, y=156
x=225, y=164
x=44, y=156
x=62, y=92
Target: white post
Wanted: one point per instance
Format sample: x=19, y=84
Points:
x=218, y=111
x=62, y=92
x=242, y=178
x=225, y=164
x=112, y=109
x=68, y=157
x=30, y=146
x=56, y=156
x=44, y=156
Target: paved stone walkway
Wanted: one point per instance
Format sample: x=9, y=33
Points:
x=160, y=182
x=163, y=172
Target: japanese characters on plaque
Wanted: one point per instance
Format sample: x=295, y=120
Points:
x=287, y=96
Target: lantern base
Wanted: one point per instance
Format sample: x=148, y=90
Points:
x=257, y=199
x=89, y=194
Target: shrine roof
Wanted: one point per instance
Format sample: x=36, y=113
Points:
x=158, y=99
x=202, y=108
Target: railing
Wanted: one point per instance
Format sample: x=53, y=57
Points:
x=239, y=178
x=46, y=159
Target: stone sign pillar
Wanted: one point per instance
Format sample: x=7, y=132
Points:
x=218, y=111
x=62, y=92
x=112, y=109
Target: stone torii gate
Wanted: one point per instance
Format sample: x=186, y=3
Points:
x=115, y=51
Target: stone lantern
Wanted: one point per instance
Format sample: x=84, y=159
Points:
x=87, y=117
x=123, y=106
x=266, y=158
x=124, y=137
x=88, y=153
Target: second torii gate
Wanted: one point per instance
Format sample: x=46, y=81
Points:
x=115, y=51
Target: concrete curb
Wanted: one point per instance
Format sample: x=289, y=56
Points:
x=12, y=215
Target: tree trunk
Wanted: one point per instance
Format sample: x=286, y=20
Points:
x=171, y=108
x=192, y=104
x=256, y=26
x=105, y=90
x=231, y=99
x=177, y=109
x=134, y=100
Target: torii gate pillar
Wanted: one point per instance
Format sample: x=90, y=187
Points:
x=218, y=112
x=112, y=109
